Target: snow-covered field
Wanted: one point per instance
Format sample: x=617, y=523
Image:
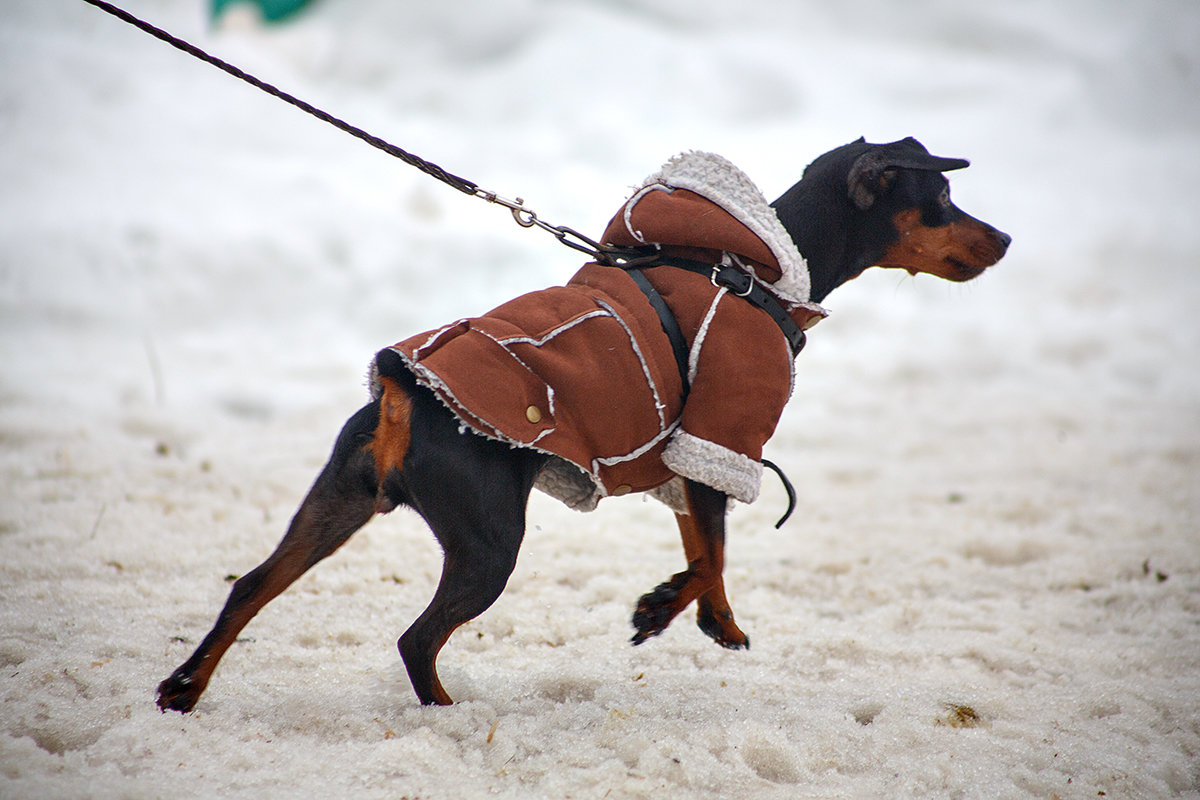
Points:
x=991, y=588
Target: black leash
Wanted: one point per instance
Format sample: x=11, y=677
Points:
x=525, y=217
x=463, y=185
x=611, y=255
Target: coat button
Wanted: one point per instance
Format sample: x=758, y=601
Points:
x=533, y=414
x=624, y=488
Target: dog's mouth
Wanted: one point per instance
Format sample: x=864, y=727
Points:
x=950, y=269
x=934, y=253
x=960, y=272
x=984, y=254
x=958, y=251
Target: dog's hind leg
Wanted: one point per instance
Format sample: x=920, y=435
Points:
x=339, y=503
x=703, y=533
x=473, y=493
x=473, y=576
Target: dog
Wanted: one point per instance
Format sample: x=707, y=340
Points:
x=419, y=443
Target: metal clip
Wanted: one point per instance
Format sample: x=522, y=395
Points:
x=525, y=217
x=610, y=255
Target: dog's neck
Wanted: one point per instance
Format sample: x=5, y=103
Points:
x=820, y=220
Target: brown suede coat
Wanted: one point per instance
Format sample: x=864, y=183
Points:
x=584, y=371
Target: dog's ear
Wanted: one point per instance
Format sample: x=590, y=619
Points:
x=912, y=154
x=874, y=171
x=869, y=178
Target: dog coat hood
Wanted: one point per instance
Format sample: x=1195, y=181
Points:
x=752, y=230
x=585, y=373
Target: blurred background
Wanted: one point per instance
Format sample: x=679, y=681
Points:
x=151, y=201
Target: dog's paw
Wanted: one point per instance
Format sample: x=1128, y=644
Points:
x=656, y=609
x=722, y=629
x=179, y=692
x=649, y=620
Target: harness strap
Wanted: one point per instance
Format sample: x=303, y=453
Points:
x=742, y=285
x=670, y=326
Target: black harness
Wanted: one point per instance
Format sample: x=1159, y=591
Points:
x=739, y=284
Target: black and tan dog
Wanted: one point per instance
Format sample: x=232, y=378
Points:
x=858, y=206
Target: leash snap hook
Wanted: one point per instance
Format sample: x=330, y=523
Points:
x=525, y=217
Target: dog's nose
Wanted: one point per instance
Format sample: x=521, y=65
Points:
x=1005, y=239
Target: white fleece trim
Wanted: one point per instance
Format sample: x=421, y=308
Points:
x=659, y=405
x=673, y=494
x=435, y=335
x=566, y=326
x=637, y=452
x=694, y=355
x=717, y=179
x=713, y=465
x=633, y=201
x=568, y=484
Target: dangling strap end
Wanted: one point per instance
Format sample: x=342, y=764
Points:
x=787, y=485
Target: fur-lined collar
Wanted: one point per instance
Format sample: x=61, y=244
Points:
x=715, y=178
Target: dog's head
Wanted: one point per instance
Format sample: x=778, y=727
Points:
x=888, y=205
x=932, y=234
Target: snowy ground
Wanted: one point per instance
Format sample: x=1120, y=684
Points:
x=992, y=587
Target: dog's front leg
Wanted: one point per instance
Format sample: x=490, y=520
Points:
x=714, y=616
x=703, y=533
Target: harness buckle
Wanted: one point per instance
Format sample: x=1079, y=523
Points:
x=736, y=281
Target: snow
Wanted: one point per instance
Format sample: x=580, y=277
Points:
x=991, y=588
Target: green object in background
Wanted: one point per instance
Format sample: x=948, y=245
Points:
x=272, y=10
